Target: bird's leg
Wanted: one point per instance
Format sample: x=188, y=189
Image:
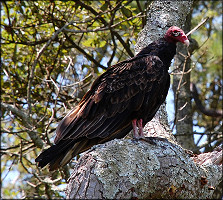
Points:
x=141, y=134
x=137, y=134
x=135, y=131
x=140, y=126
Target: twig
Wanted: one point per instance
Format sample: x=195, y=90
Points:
x=208, y=143
x=9, y=169
x=35, y=63
x=58, y=92
x=124, y=44
x=77, y=82
x=198, y=26
x=206, y=111
x=198, y=133
x=104, y=28
x=178, y=89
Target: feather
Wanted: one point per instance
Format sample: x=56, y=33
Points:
x=132, y=89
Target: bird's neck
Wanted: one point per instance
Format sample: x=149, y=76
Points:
x=163, y=49
x=166, y=51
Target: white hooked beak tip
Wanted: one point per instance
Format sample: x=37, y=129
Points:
x=187, y=43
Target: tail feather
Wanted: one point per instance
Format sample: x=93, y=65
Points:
x=47, y=156
x=60, y=154
x=54, y=154
x=76, y=149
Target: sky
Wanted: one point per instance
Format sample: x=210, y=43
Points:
x=13, y=176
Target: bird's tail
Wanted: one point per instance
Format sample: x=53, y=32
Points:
x=60, y=154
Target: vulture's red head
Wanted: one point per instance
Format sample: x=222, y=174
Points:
x=175, y=34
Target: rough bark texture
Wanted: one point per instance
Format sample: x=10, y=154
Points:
x=158, y=168
x=126, y=169
x=161, y=16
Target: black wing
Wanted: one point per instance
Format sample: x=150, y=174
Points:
x=129, y=90
x=112, y=99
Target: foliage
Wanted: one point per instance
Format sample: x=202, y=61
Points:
x=208, y=71
x=51, y=53
x=45, y=73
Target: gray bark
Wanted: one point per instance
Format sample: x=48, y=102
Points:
x=158, y=168
x=125, y=169
x=161, y=16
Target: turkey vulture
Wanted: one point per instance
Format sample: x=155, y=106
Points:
x=126, y=96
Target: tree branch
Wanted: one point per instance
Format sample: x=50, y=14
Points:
x=84, y=52
x=136, y=169
x=106, y=24
x=104, y=28
x=198, y=26
x=158, y=168
x=25, y=118
x=214, y=157
x=35, y=63
x=206, y=111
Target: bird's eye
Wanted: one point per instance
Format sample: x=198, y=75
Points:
x=176, y=33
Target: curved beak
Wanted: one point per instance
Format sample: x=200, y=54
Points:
x=186, y=42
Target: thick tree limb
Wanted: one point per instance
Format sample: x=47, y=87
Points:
x=159, y=168
x=206, y=111
x=136, y=169
x=214, y=157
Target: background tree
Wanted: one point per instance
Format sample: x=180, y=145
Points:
x=51, y=53
x=186, y=128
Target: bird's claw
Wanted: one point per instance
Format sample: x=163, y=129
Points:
x=151, y=140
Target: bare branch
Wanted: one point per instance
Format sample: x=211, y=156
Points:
x=179, y=86
x=206, y=111
x=198, y=26
x=35, y=63
x=106, y=24
x=25, y=118
x=84, y=52
x=104, y=28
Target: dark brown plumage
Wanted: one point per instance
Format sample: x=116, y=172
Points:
x=127, y=95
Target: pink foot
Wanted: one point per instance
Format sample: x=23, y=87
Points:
x=135, y=124
x=140, y=126
x=135, y=131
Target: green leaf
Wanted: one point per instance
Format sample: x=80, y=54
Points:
x=88, y=42
x=104, y=6
x=126, y=12
x=102, y=43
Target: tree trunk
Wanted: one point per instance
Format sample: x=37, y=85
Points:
x=182, y=97
x=161, y=16
x=125, y=169
x=157, y=168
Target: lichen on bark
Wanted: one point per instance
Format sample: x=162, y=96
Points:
x=161, y=16
x=128, y=168
x=125, y=168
